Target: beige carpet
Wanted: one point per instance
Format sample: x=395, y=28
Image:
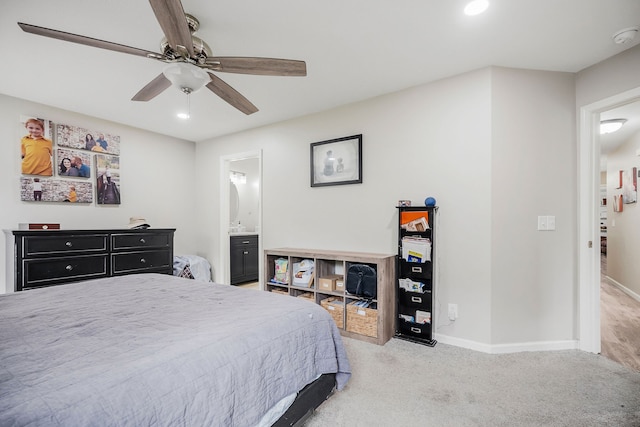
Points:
x=407, y=384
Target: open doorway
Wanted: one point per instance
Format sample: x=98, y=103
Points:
x=240, y=204
x=620, y=297
x=588, y=217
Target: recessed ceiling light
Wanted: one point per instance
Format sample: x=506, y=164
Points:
x=183, y=116
x=476, y=7
x=610, y=126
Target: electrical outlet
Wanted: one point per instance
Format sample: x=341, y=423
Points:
x=453, y=311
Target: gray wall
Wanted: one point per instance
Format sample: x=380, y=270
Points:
x=156, y=177
x=496, y=147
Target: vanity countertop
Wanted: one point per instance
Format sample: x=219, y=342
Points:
x=242, y=233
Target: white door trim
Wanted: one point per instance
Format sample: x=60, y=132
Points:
x=588, y=217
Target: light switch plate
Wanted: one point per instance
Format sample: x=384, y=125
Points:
x=551, y=222
x=546, y=222
x=542, y=223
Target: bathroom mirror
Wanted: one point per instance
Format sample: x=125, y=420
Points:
x=234, y=202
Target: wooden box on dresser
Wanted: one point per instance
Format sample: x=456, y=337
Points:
x=375, y=325
x=55, y=257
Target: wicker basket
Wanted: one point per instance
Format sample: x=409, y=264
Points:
x=308, y=296
x=363, y=321
x=280, y=291
x=336, y=311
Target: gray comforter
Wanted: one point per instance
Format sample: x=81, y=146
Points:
x=158, y=350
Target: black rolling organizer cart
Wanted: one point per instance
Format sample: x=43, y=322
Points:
x=415, y=270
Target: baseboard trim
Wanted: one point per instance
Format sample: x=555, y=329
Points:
x=624, y=289
x=509, y=348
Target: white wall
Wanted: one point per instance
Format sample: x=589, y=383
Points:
x=622, y=239
x=533, y=173
x=156, y=175
x=610, y=77
x=438, y=140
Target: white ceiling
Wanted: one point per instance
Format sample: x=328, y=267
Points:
x=354, y=50
x=631, y=112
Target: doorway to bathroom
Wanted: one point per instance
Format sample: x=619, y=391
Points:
x=241, y=217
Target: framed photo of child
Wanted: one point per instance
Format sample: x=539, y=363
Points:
x=36, y=146
x=35, y=189
x=107, y=173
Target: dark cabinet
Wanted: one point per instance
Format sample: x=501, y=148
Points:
x=416, y=277
x=146, y=251
x=55, y=257
x=244, y=259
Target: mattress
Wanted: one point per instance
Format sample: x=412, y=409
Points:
x=153, y=349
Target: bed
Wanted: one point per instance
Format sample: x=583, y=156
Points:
x=152, y=349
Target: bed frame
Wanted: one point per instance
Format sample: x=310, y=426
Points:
x=308, y=399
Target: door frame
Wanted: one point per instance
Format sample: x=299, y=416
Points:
x=588, y=217
x=223, y=232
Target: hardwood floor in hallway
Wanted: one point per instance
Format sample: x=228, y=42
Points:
x=619, y=323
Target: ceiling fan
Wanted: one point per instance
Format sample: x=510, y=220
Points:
x=191, y=63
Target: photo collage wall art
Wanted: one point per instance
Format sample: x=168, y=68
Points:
x=61, y=163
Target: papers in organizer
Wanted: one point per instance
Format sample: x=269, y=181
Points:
x=419, y=224
x=411, y=286
x=416, y=249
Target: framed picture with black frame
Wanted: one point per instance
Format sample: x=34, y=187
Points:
x=337, y=161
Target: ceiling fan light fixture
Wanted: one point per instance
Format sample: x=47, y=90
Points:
x=626, y=35
x=476, y=7
x=186, y=77
x=610, y=126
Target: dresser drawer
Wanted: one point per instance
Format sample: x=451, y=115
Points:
x=141, y=261
x=51, y=245
x=140, y=240
x=251, y=240
x=49, y=271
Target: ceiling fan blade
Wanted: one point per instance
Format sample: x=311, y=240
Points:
x=259, y=66
x=89, y=41
x=152, y=89
x=229, y=94
x=172, y=20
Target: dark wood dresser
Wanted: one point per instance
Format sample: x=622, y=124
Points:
x=55, y=257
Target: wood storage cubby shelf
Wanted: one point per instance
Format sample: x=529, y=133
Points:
x=320, y=276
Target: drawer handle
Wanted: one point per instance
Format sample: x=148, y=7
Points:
x=69, y=267
x=142, y=241
x=416, y=330
x=246, y=252
x=416, y=299
x=416, y=269
x=246, y=242
x=69, y=244
x=142, y=260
